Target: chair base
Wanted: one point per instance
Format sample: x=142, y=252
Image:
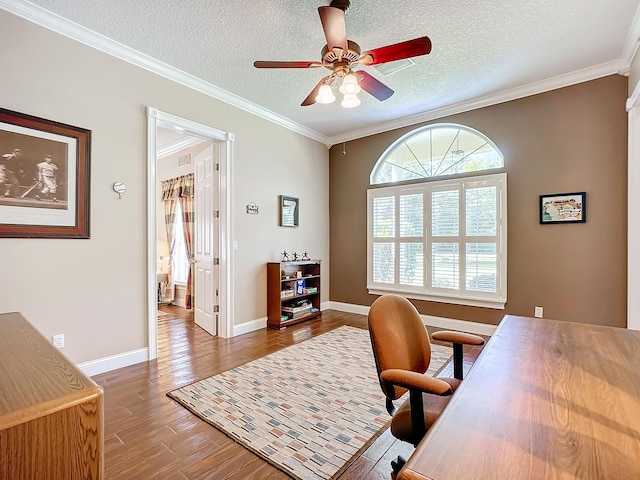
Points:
x=396, y=465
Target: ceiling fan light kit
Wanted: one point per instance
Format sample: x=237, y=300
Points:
x=340, y=54
x=325, y=95
x=350, y=85
x=351, y=100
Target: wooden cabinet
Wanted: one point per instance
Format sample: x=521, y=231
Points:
x=293, y=292
x=51, y=413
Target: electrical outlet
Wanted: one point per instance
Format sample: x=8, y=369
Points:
x=537, y=312
x=58, y=340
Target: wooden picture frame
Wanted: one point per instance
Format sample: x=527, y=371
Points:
x=44, y=178
x=563, y=208
x=289, y=211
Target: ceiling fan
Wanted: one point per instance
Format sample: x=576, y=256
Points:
x=340, y=55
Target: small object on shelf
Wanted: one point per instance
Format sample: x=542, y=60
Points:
x=285, y=256
x=295, y=257
x=305, y=256
x=284, y=318
x=300, y=286
x=287, y=293
x=310, y=290
x=298, y=274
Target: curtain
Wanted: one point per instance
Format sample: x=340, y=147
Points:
x=174, y=190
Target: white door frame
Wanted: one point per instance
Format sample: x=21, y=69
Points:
x=633, y=211
x=157, y=118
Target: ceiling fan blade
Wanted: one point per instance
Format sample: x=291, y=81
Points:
x=261, y=64
x=398, y=51
x=374, y=86
x=311, y=98
x=335, y=29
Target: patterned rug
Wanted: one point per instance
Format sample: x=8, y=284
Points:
x=308, y=409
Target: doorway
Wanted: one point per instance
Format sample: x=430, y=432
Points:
x=212, y=272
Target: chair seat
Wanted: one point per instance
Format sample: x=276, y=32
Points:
x=433, y=406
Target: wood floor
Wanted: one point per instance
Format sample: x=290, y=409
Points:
x=148, y=435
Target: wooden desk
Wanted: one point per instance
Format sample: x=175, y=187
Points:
x=51, y=414
x=544, y=400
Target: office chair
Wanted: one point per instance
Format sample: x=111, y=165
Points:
x=402, y=351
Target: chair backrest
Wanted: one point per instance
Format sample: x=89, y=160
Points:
x=399, y=339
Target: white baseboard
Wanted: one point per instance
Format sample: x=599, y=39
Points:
x=250, y=326
x=438, y=322
x=349, y=308
x=103, y=365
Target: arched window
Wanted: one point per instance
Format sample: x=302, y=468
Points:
x=445, y=239
x=435, y=151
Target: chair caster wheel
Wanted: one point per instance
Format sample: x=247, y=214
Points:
x=397, y=465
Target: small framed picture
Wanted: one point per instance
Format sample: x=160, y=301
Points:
x=289, y=211
x=563, y=208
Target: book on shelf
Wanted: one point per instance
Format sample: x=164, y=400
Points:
x=296, y=309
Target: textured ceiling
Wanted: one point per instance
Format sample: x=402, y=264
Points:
x=480, y=48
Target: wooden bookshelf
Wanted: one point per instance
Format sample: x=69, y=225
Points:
x=281, y=278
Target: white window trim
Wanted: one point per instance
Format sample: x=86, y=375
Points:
x=477, y=299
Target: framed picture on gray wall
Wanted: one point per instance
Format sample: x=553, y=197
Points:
x=44, y=178
x=563, y=208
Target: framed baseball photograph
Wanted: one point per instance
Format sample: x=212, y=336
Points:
x=44, y=178
x=563, y=208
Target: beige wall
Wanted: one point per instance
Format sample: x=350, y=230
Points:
x=94, y=291
x=567, y=140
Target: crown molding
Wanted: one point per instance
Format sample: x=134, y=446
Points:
x=579, y=76
x=630, y=47
x=69, y=29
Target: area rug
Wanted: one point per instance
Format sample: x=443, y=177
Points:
x=308, y=409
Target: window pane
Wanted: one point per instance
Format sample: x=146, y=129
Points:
x=437, y=150
x=411, y=264
x=384, y=217
x=383, y=263
x=445, y=265
x=445, y=214
x=482, y=267
x=481, y=211
x=179, y=258
x=411, y=214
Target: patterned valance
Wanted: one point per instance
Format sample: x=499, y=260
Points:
x=177, y=187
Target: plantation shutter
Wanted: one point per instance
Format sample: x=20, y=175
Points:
x=442, y=241
x=384, y=222
x=481, y=269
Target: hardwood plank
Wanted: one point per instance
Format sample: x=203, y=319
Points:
x=148, y=435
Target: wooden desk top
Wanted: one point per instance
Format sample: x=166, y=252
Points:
x=545, y=400
x=35, y=378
